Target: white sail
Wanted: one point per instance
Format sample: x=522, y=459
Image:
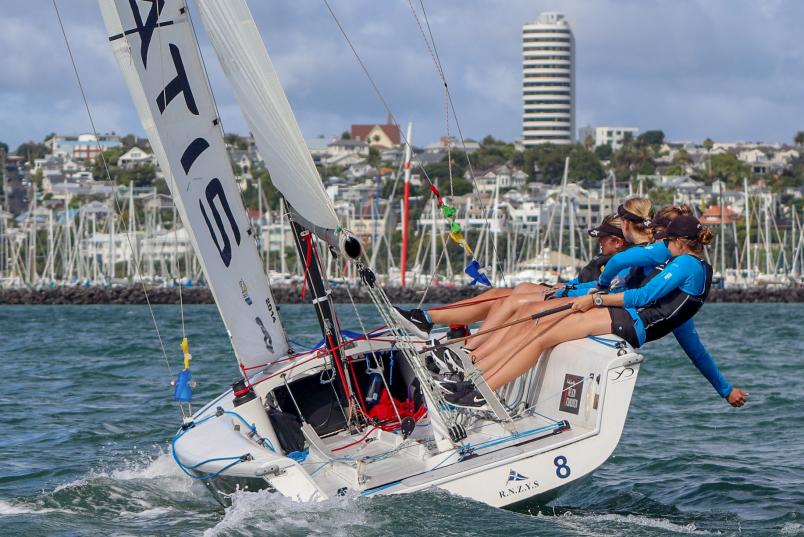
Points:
x=245, y=61
x=155, y=46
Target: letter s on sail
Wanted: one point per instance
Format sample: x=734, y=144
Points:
x=215, y=190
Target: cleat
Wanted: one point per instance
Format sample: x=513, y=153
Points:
x=414, y=321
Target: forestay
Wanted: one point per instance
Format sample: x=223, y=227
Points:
x=245, y=61
x=155, y=46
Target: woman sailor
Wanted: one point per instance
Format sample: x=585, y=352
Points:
x=671, y=295
x=498, y=306
x=609, y=235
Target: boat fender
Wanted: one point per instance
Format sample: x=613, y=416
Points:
x=374, y=387
x=288, y=430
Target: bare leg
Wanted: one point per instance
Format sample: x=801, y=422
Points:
x=503, y=311
x=468, y=311
x=494, y=359
x=499, y=339
x=594, y=322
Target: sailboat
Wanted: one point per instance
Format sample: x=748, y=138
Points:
x=360, y=414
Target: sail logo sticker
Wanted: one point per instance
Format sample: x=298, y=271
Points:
x=622, y=374
x=513, y=475
x=244, y=291
x=517, y=484
x=571, y=394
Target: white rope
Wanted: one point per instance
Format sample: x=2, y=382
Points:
x=374, y=355
x=114, y=182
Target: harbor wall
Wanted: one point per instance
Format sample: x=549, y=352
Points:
x=292, y=295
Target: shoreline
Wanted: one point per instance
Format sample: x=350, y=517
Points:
x=292, y=295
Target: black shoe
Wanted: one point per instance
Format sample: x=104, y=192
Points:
x=414, y=321
x=468, y=398
x=446, y=361
x=452, y=384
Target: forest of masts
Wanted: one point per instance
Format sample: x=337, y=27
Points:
x=136, y=236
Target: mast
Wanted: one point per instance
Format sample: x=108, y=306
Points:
x=406, y=205
x=561, y=218
x=132, y=232
x=324, y=307
x=433, y=243
x=495, y=228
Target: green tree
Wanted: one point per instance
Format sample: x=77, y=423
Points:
x=653, y=137
x=4, y=148
x=31, y=151
x=346, y=135
x=549, y=160
x=604, y=151
x=144, y=175
x=236, y=141
x=373, y=156
x=633, y=158
x=251, y=194
x=491, y=141
x=708, y=144
x=799, y=138
x=110, y=156
x=727, y=167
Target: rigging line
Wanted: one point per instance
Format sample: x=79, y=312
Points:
x=374, y=85
x=114, y=182
x=402, y=135
x=439, y=68
x=374, y=355
x=437, y=62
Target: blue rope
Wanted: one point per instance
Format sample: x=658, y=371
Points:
x=613, y=343
x=188, y=470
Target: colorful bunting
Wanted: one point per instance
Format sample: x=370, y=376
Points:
x=477, y=273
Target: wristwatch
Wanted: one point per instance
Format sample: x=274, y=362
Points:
x=598, y=299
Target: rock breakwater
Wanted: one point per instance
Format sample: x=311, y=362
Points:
x=292, y=295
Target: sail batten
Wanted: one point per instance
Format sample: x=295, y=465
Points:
x=242, y=54
x=156, y=50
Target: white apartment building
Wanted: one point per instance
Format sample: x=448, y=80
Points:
x=548, y=81
x=614, y=136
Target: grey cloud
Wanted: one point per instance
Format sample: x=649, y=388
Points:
x=720, y=68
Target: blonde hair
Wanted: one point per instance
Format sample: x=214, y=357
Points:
x=672, y=211
x=613, y=220
x=643, y=208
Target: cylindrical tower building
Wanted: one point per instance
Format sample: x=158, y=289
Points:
x=548, y=81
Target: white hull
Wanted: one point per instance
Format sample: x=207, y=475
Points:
x=549, y=449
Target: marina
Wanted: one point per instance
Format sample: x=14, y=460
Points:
x=272, y=333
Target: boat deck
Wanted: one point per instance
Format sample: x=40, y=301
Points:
x=375, y=458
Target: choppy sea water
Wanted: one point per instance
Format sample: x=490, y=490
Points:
x=86, y=415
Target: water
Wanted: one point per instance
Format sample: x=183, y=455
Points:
x=85, y=415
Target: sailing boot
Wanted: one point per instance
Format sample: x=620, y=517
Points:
x=416, y=321
x=467, y=397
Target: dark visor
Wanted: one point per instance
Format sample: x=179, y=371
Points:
x=622, y=212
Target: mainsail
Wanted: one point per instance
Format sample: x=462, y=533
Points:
x=156, y=49
x=245, y=61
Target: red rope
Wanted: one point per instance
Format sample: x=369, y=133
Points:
x=356, y=441
x=464, y=304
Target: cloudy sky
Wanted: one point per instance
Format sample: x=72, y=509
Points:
x=727, y=69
